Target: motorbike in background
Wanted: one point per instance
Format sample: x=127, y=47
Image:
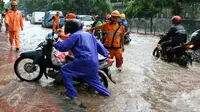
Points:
x=180, y=54
x=32, y=65
x=195, y=39
x=127, y=38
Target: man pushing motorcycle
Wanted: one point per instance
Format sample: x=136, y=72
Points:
x=175, y=36
x=85, y=49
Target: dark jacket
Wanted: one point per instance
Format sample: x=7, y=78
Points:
x=176, y=35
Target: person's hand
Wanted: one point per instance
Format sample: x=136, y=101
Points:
x=122, y=49
x=54, y=43
x=7, y=24
x=109, y=56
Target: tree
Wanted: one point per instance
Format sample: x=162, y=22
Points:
x=1, y=5
x=102, y=7
x=144, y=9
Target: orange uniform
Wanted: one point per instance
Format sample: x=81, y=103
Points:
x=14, y=21
x=64, y=36
x=56, y=22
x=114, y=44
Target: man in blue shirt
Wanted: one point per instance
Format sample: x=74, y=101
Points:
x=85, y=49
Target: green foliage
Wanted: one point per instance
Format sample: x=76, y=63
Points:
x=143, y=8
x=101, y=7
x=1, y=5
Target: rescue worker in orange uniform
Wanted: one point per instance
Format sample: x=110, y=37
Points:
x=114, y=38
x=14, y=21
x=107, y=18
x=56, y=20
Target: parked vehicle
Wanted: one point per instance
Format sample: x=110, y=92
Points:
x=181, y=54
x=48, y=15
x=31, y=65
x=23, y=12
x=87, y=21
x=37, y=17
x=28, y=17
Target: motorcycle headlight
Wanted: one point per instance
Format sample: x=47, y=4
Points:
x=158, y=46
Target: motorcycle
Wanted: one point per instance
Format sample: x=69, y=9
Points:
x=127, y=38
x=181, y=54
x=195, y=39
x=32, y=65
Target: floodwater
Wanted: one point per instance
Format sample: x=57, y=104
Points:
x=144, y=85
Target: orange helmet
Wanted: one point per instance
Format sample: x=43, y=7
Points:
x=14, y=3
x=108, y=16
x=70, y=16
x=115, y=13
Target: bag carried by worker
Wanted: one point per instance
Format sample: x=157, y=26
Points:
x=57, y=57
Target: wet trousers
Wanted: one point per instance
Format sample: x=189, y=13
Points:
x=14, y=38
x=117, y=53
x=55, y=27
x=87, y=73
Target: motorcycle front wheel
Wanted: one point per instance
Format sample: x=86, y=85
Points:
x=26, y=70
x=196, y=55
x=156, y=53
x=103, y=79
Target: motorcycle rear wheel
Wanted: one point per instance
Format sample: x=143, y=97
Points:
x=184, y=61
x=33, y=71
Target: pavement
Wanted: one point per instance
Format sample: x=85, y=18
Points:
x=8, y=56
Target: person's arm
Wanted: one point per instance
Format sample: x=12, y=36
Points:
x=7, y=19
x=167, y=35
x=67, y=44
x=51, y=19
x=21, y=22
x=101, y=49
x=122, y=37
x=170, y=33
x=102, y=27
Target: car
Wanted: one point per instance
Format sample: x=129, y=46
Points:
x=37, y=17
x=48, y=15
x=87, y=20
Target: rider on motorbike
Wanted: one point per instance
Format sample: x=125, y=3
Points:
x=85, y=49
x=97, y=22
x=123, y=21
x=175, y=36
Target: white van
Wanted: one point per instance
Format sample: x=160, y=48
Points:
x=37, y=17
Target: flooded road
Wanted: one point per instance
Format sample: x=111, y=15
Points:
x=144, y=85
